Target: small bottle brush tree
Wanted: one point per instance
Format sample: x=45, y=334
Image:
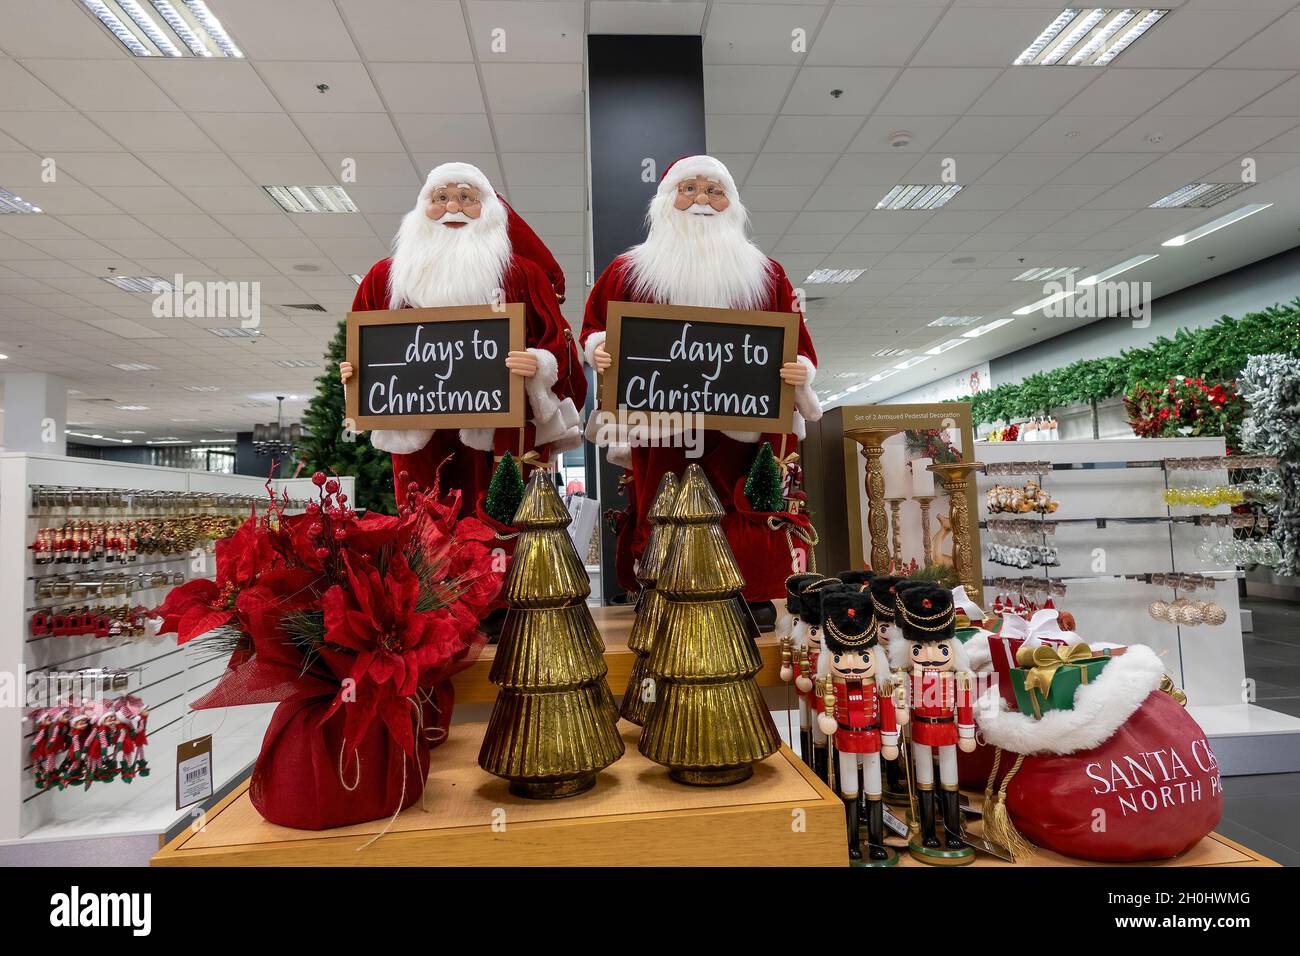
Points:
x=709, y=723
x=554, y=725
x=505, y=491
x=650, y=604
x=763, y=486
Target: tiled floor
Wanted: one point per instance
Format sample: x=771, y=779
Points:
x=1260, y=812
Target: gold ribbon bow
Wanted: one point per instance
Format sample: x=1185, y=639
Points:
x=790, y=459
x=527, y=458
x=1044, y=660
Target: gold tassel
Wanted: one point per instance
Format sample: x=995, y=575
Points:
x=998, y=826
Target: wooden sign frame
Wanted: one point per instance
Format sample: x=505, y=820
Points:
x=788, y=322
x=514, y=417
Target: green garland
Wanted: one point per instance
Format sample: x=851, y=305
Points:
x=1217, y=352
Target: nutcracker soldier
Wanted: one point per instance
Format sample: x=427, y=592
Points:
x=807, y=649
x=789, y=627
x=938, y=705
x=883, y=589
x=864, y=724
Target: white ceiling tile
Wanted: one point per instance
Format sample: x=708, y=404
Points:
x=987, y=134
x=536, y=32
x=990, y=196
x=155, y=130
x=425, y=163
x=812, y=134
x=738, y=164
x=288, y=29
x=544, y=169
x=295, y=85
x=231, y=199
x=1031, y=90
x=1195, y=38
x=110, y=227
x=345, y=133
x=745, y=89
x=183, y=226
x=984, y=37
x=375, y=169
x=965, y=167
x=109, y=169
x=196, y=169
x=24, y=91
x=1279, y=45
x=531, y=88
x=283, y=169
x=101, y=84
x=1119, y=91
x=55, y=131
x=149, y=199
x=1156, y=134
x=213, y=247
x=1242, y=133
x=647, y=17
x=860, y=89
x=527, y=200
x=219, y=85
x=266, y=226
x=759, y=33
x=429, y=87
x=739, y=133
x=924, y=131
x=1103, y=168
x=862, y=36
x=263, y=132
x=1073, y=134
x=427, y=132
x=1026, y=168
x=771, y=222
x=55, y=30
x=871, y=169
x=1279, y=102
x=408, y=30
x=1218, y=93
x=539, y=132
x=831, y=197
x=936, y=91
x=372, y=200
x=835, y=223
x=71, y=248
x=775, y=169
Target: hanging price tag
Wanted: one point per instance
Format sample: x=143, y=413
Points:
x=193, y=771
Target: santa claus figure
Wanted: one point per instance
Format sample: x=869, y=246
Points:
x=697, y=253
x=462, y=245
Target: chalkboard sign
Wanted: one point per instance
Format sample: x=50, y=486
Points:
x=723, y=364
x=435, y=368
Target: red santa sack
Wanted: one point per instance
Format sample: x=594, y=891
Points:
x=765, y=554
x=1126, y=775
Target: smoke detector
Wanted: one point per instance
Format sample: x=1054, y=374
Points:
x=900, y=138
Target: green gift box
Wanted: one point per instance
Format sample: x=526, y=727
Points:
x=1048, y=676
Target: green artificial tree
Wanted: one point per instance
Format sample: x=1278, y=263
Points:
x=505, y=491
x=331, y=447
x=763, y=486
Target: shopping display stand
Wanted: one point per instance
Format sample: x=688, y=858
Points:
x=635, y=816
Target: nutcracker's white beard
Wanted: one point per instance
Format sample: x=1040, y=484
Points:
x=699, y=260
x=434, y=265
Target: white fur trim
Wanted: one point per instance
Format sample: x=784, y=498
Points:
x=1100, y=708
x=400, y=441
x=456, y=173
x=798, y=427
x=563, y=431
x=784, y=624
x=594, y=340
x=977, y=652
x=480, y=439
x=805, y=399
x=748, y=438
x=691, y=166
x=540, y=388
x=619, y=455
x=962, y=602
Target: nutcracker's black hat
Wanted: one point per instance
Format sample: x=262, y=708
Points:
x=849, y=623
x=883, y=588
x=925, y=613
x=794, y=586
x=810, y=599
x=859, y=578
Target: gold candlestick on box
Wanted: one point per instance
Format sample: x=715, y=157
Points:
x=896, y=528
x=925, y=501
x=955, y=477
x=871, y=440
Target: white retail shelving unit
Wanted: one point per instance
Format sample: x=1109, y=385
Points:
x=166, y=677
x=1206, y=661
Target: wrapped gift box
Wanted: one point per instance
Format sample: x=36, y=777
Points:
x=1047, y=677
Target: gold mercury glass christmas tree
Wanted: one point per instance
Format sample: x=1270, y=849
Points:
x=709, y=724
x=637, y=698
x=555, y=724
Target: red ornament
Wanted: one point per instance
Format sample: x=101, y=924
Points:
x=852, y=612
x=926, y=603
x=318, y=479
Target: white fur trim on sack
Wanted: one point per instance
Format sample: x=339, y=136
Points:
x=400, y=441
x=1100, y=708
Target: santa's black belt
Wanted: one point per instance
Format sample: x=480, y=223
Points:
x=932, y=720
x=860, y=730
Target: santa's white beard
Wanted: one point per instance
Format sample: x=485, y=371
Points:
x=435, y=265
x=699, y=260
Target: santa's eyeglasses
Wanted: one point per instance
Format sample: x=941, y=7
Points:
x=460, y=195
x=691, y=187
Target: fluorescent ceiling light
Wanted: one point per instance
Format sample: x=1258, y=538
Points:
x=918, y=197
x=201, y=388
x=186, y=421
x=1046, y=273
x=986, y=328
x=1089, y=36
x=133, y=408
x=120, y=441
x=1115, y=270
x=856, y=388
x=296, y=363
x=3, y=357
x=13, y=203
x=890, y=353
x=1214, y=225
x=883, y=374
x=945, y=346
x=168, y=441
x=1044, y=303
x=185, y=28
x=949, y=321
x=302, y=199
x=151, y=284
x=832, y=276
x=223, y=441
x=1199, y=195
x=235, y=332
x=908, y=363
x=134, y=366
x=125, y=431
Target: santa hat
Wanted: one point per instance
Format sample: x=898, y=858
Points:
x=523, y=241
x=691, y=166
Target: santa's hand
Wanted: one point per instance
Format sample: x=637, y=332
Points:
x=889, y=752
x=966, y=744
x=522, y=363
x=787, y=673
x=602, y=357
x=826, y=724
x=803, y=684
x=794, y=373
x=345, y=371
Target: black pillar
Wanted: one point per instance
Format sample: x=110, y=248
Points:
x=646, y=102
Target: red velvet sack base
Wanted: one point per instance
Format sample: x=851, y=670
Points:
x=297, y=781
x=764, y=558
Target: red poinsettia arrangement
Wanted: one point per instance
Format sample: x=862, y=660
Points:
x=1187, y=406
x=355, y=625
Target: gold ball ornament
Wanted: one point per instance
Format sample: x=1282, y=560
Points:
x=1215, y=615
x=1158, y=610
x=1191, y=615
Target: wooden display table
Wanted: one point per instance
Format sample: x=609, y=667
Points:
x=615, y=623
x=635, y=816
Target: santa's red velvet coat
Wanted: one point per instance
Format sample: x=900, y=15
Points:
x=725, y=460
x=470, y=469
